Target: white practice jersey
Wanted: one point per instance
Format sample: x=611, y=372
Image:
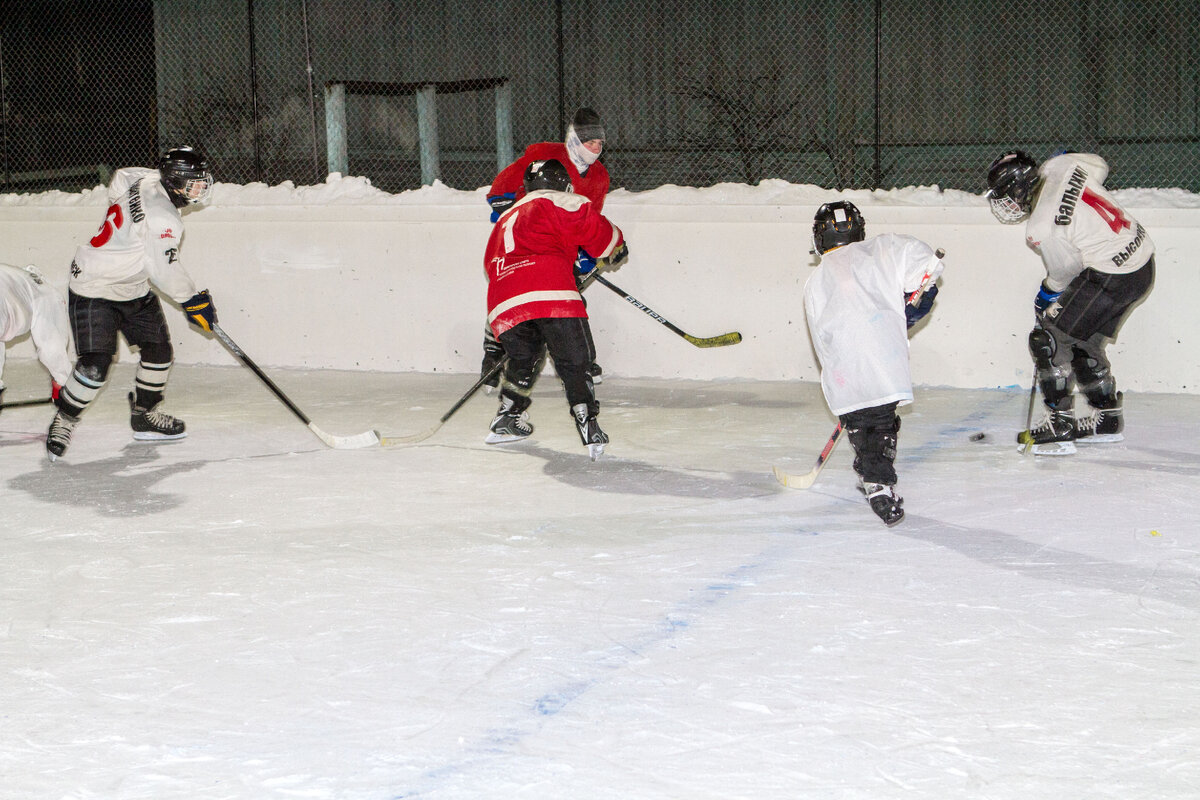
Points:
x=1076, y=224
x=855, y=308
x=30, y=305
x=137, y=244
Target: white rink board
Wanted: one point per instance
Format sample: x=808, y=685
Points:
x=398, y=285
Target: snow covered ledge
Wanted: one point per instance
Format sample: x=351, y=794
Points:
x=344, y=276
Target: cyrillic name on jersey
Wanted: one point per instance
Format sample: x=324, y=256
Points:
x=135, y=203
x=1066, y=206
x=1123, y=256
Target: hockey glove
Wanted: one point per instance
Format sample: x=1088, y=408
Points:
x=501, y=203
x=200, y=311
x=1045, y=298
x=616, y=259
x=914, y=314
x=584, y=263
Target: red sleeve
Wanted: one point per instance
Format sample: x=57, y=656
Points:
x=512, y=177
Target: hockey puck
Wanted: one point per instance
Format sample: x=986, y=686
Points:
x=978, y=437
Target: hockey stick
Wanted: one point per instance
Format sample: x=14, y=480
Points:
x=365, y=439
x=1027, y=434
x=388, y=441
x=914, y=299
x=21, y=403
x=807, y=480
x=732, y=337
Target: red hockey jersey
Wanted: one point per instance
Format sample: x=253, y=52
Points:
x=531, y=252
x=593, y=185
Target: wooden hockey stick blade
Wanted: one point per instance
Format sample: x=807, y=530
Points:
x=358, y=440
x=21, y=403
x=797, y=481
x=733, y=337
x=412, y=438
x=809, y=478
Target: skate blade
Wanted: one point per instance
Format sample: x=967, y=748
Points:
x=1048, y=448
x=504, y=438
x=1101, y=438
x=150, y=436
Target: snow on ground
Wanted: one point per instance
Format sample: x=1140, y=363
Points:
x=340, y=190
x=249, y=614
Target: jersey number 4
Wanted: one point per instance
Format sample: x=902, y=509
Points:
x=112, y=220
x=1107, y=211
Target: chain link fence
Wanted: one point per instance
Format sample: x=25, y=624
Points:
x=851, y=94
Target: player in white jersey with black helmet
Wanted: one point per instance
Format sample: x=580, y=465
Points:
x=860, y=303
x=1099, y=263
x=30, y=305
x=110, y=293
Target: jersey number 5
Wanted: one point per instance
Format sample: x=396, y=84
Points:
x=112, y=221
x=1107, y=211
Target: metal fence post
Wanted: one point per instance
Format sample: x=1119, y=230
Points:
x=336, y=153
x=504, y=128
x=427, y=134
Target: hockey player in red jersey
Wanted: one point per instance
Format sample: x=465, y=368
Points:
x=1099, y=264
x=579, y=153
x=110, y=293
x=534, y=303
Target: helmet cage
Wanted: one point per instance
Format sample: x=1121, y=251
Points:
x=185, y=175
x=837, y=224
x=1012, y=183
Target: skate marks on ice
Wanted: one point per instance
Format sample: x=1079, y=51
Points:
x=996, y=549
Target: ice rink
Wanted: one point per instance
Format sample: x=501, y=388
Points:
x=249, y=614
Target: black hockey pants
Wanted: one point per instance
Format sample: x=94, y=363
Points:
x=570, y=346
x=873, y=435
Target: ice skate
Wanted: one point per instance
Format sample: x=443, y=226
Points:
x=58, y=437
x=1102, y=424
x=589, y=430
x=150, y=425
x=1053, y=436
x=509, y=425
x=886, y=504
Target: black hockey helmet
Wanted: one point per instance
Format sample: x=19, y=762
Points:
x=548, y=174
x=1012, y=183
x=836, y=224
x=184, y=174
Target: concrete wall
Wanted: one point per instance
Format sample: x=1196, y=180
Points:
x=401, y=288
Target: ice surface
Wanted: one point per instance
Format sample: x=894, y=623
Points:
x=249, y=614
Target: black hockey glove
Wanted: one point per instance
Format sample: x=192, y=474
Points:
x=200, y=311
x=914, y=314
x=501, y=203
x=616, y=259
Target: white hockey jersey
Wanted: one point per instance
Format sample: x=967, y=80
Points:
x=1076, y=224
x=30, y=305
x=854, y=303
x=137, y=244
